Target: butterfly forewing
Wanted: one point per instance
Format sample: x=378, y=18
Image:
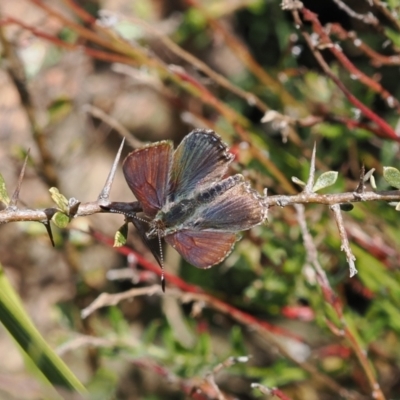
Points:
x=236, y=209
x=200, y=159
x=146, y=172
x=203, y=249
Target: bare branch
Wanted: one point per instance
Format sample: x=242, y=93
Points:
x=123, y=132
x=108, y=299
x=366, y=18
x=343, y=237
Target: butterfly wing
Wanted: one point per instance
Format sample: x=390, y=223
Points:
x=146, y=171
x=152, y=244
x=203, y=249
x=237, y=208
x=200, y=159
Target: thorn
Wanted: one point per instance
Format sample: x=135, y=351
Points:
x=310, y=181
x=361, y=184
x=15, y=196
x=105, y=193
x=73, y=206
x=49, y=232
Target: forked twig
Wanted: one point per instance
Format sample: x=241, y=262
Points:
x=344, y=239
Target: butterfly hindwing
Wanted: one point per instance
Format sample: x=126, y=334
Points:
x=146, y=171
x=200, y=159
x=235, y=209
x=203, y=249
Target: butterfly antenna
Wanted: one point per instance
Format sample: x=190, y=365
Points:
x=162, y=263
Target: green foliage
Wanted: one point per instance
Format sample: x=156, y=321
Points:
x=121, y=236
x=392, y=176
x=325, y=180
x=17, y=322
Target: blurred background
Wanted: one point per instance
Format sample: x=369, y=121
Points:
x=77, y=77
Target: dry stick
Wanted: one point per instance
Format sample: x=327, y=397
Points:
x=99, y=54
x=387, y=130
x=377, y=59
x=91, y=208
x=182, y=79
x=210, y=377
x=270, y=391
x=366, y=18
x=245, y=56
x=334, y=300
x=383, y=8
x=251, y=98
x=113, y=123
x=347, y=64
x=106, y=299
x=343, y=237
x=16, y=71
x=259, y=154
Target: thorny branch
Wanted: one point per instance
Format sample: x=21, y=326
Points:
x=16, y=71
x=91, y=208
x=297, y=8
x=332, y=299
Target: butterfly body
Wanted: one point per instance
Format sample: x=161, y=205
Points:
x=187, y=200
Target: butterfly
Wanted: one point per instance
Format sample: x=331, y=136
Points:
x=188, y=201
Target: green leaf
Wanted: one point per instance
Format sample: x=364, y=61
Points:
x=59, y=109
x=398, y=207
x=297, y=181
x=59, y=199
x=3, y=192
x=121, y=236
x=60, y=219
x=17, y=322
x=373, y=183
x=394, y=36
x=392, y=176
x=325, y=180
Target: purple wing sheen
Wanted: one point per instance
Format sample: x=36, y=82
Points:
x=203, y=249
x=146, y=171
x=200, y=159
x=236, y=209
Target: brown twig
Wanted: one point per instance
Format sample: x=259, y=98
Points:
x=16, y=71
x=386, y=130
x=383, y=8
x=113, y=123
x=268, y=332
x=247, y=59
x=377, y=59
x=354, y=72
x=332, y=299
x=369, y=18
x=270, y=391
x=91, y=208
x=344, y=239
x=196, y=62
